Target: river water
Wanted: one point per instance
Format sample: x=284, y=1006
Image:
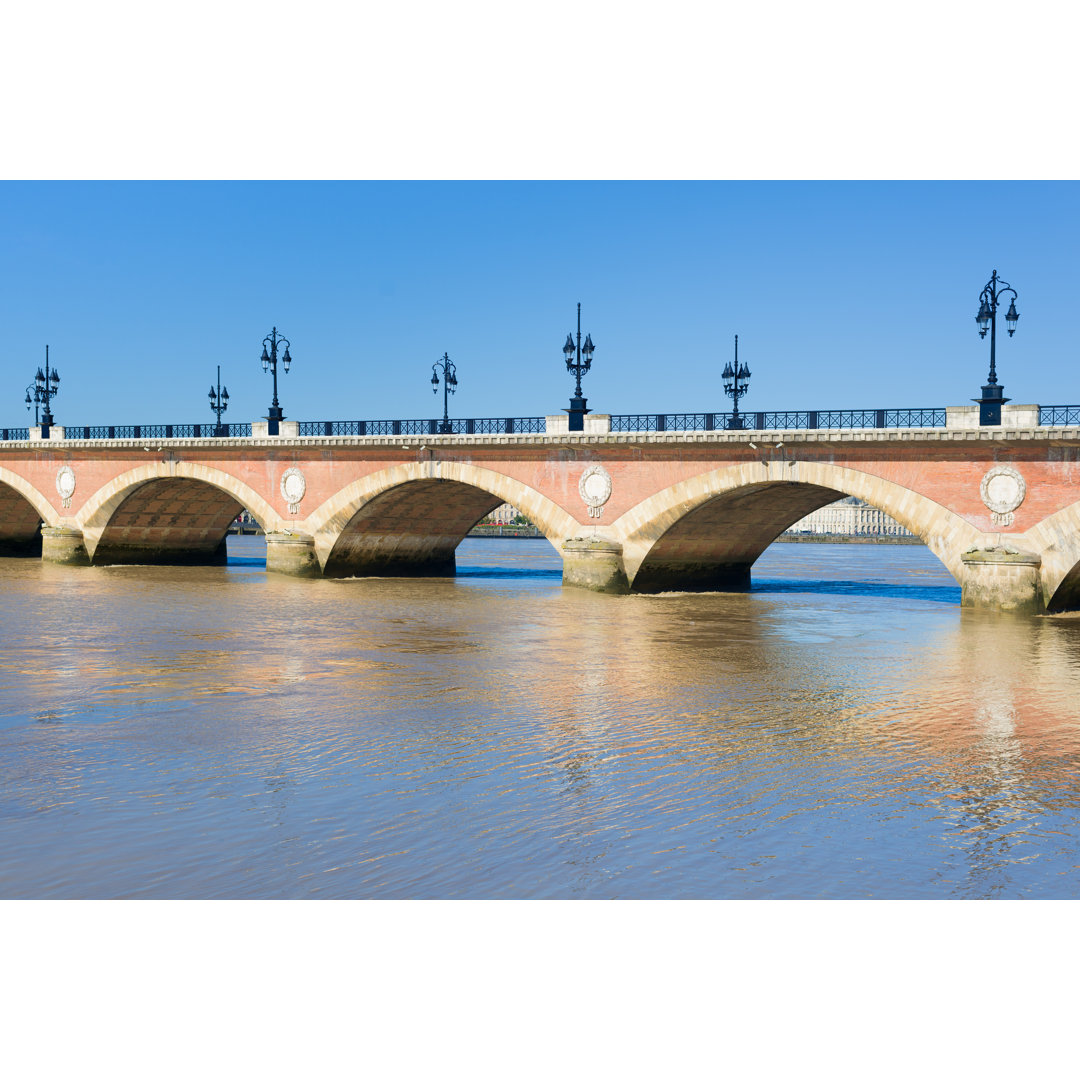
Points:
x=844, y=730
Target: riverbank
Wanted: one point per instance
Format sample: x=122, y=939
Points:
x=842, y=538
x=507, y=532
x=531, y=532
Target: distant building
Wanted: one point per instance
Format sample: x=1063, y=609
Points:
x=503, y=515
x=849, y=517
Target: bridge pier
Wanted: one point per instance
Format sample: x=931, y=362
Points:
x=60, y=544
x=1002, y=579
x=594, y=563
x=292, y=553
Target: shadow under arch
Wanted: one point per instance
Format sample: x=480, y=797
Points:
x=23, y=509
x=1057, y=540
x=705, y=533
x=409, y=519
x=171, y=512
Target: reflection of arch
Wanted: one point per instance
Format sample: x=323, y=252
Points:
x=415, y=514
x=169, y=512
x=22, y=510
x=1057, y=540
x=707, y=531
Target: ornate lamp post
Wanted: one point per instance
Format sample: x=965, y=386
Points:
x=733, y=377
x=991, y=401
x=269, y=363
x=449, y=373
x=578, y=366
x=219, y=402
x=46, y=387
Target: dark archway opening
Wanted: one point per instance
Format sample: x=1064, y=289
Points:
x=176, y=522
x=20, y=526
x=411, y=530
x=1067, y=595
x=713, y=547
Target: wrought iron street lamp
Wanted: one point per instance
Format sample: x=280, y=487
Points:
x=46, y=387
x=735, y=385
x=269, y=363
x=219, y=402
x=579, y=367
x=449, y=385
x=991, y=401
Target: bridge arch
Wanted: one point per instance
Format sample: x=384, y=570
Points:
x=1057, y=540
x=410, y=518
x=706, y=532
x=167, y=512
x=22, y=510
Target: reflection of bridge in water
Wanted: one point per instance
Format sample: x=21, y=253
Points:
x=643, y=510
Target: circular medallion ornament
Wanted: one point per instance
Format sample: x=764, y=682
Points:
x=1002, y=490
x=594, y=487
x=293, y=487
x=65, y=484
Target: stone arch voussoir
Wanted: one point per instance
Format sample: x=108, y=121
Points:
x=94, y=517
x=946, y=534
x=327, y=522
x=1056, y=539
x=39, y=502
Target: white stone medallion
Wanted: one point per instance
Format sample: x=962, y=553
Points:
x=1002, y=490
x=65, y=485
x=595, y=489
x=293, y=488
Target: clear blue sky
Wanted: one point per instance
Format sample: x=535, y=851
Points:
x=856, y=294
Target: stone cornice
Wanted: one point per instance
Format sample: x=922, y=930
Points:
x=767, y=440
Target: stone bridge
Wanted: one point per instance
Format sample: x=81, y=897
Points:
x=999, y=506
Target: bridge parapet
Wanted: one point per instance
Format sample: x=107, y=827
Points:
x=791, y=425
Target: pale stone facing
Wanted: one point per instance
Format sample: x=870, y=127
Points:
x=291, y=553
x=60, y=544
x=966, y=417
x=287, y=429
x=1001, y=579
x=594, y=563
x=595, y=424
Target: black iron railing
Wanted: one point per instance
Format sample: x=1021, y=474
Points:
x=808, y=420
x=155, y=431
x=790, y=420
x=518, y=425
x=1059, y=414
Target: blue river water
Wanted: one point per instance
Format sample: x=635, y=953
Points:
x=843, y=730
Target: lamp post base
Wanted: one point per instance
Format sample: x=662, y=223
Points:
x=576, y=414
x=990, y=405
